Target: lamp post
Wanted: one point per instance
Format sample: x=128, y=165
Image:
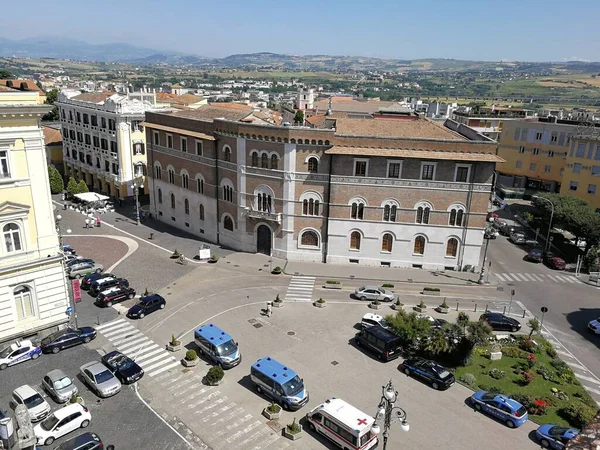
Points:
x=551, y=217
x=58, y=230
x=388, y=413
x=137, y=184
x=487, y=243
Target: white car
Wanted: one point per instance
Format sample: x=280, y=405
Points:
x=36, y=405
x=370, y=320
x=594, y=326
x=18, y=352
x=61, y=422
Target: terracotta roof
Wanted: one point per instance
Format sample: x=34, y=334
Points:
x=231, y=105
x=165, y=96
x=189, y=99
x=349, y=104
x=94, y=97
x=52, y=136
x=209, y=113
x=7, y=89
x=23, y=85
x=318, y=121
x=407, y=128
x=413, y=154
x=181, y=131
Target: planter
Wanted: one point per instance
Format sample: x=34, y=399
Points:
x=495, y=356
x=80, y=400
x=174, y=348
x=320, y=305
x=213, y=383
x=293, y=436
x=396, y=307
x=271, y=415
x=277, y=304
x=190, y=363
x=276, y=272
x=374, y=306
x=443, y=310
x=332, y=286
x=212, y=261
x=418, y=309
x=437, y=293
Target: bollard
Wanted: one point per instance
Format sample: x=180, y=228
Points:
x=475, y=310
x=98, y=320
x=486, y=307
x=151, y=236
x=457, y=306
x=504, y=311
x=523, y=314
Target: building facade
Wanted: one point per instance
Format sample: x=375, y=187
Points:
x=490, y=120
x=103, y=141
x=407, y=193
x=33, y=286
x=581, y=177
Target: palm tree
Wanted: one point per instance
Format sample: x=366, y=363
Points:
x=454, y=333
x=436, y=342
x=463, y=320
x=479, y=332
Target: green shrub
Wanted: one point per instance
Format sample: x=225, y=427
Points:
x=174, y=340
x=444, y=304
x=215, y=374
x=387, y=285
x=431, y=289
x=376, y=302
x=497, y=374
x=57, y=185
x=320, y=300
x=586, y=399
x=176, y=254
x=527, y=345
x=293, y=428
x=514, y=352
x=524, y=399
x=422, y=304
x=545, y=373
x=147, y=293
x=577, y=414
x=551, y=351
x=491, y=387
x=559, y=365
x=191, y=355
x=273, y=408
x=277, y=269
x=468, y=379
x=332, y=282
x=277, y=299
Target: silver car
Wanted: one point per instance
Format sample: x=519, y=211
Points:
x=60, y=387
x=100, y=379
x=79, y=270
x=374, y=293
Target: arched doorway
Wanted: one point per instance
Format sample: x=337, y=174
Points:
x=264, y=237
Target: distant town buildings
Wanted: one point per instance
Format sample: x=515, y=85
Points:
x=489, y=120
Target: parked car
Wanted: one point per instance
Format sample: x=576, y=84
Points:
x=594, y=326
x=68, y=258
x=555, y=436
x=553, y=261
x=124, y=368
x=61, y=422
x=146, y=305
x=500, y=322
x=534, y=255
x=370, y=320
x=502, y=407
x=507, y=229
x=435, y=323
x=82, y=269
x=490, y=233
x=429, y=371
x=103, y=284
x=87, y=281
x=100, y=379
x=79, y=261
x=85, y=441
x=497, y=224
x=114, y=295
x=59, y=386
x=68, y=250
x=19, y=352
x=382, y=342
x=374, y=293
x=34, y=402
x=68, y=337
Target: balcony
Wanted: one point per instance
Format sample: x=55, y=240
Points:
x=263, y=215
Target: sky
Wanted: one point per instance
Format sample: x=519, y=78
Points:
x=515, y=30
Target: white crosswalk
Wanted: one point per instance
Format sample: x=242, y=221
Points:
x=133, y=343
x=214, y=414
x=300, y=289
x=535, y=277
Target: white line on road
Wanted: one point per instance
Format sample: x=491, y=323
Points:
x=500, y=277
x=577, y=366
x=111, y=324
x=154, y=358
x=552, y=278
x=591, y=380
x=529, y=277
x=164, y=369
x=158, y=364
x=595, y=391
x=537, y=277
x=147, y=354
x=114, y=328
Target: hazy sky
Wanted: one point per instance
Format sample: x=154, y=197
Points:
x=531, y=30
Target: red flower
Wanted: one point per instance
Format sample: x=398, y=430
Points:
x=531, y=357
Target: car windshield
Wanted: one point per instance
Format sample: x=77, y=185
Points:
x=293, y=386
x=384, y=323
x=63, y=383
x=33, y=401
x=141, y=305
x=5, y=352
x=103, y=376
x=125, y=363
x=49, y=423
x=521, y=411
x=227, y=348
x=442, y=373
x=557, y=431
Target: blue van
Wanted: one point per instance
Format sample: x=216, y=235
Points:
x=280, y=383
x=218, y=346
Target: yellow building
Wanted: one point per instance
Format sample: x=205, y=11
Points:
x=581, y=176
x=33, y=287
x=54, y=149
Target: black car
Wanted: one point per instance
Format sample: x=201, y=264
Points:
x=500, y=322
x=382, y=342
x=429, y=371
x=114, y=295
x=98, y=287
x=535, y=255
x=85, y=441
x=124, y=368
x=146, y=305
x=507, y=230
x=87, y=281
x=67, y=338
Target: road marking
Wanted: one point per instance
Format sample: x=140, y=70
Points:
x=500, y=277
x=128, y=346
x=233, y=425
x=124, y=336
x=117, y=330
x=302, y=277
x=164, y=369
x=595, y=391
x=570, y=280
x=154, y=358
x=255, y=436
x=237, y=434
x=552, y=277
x=537, y=277
x=146, y=350
x=272, y=438
x=217, y=412
x=146, y=355
x=154, y=366
x=577, y=366
x=514, y=276
x=592, y=380
x=211, y=406
x=529, y=277
x=113, y=325
x=229, y=416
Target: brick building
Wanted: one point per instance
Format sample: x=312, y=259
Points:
x=398, y=193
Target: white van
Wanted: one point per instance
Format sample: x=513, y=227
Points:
x=343, y=424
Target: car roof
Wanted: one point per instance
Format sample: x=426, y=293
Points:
x=94, y=367
x=67, y=410
x=75, y=442
x=25, y=391
x=56, y=374
x=274, y=369
x=382, y=333
x=372, y=316
x=20, y=344
x=110, y=290
x=371, y=287
x=147, y=298
x=213, y=333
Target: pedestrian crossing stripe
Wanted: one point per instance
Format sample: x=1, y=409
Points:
x=535, y=277
x=300, y=289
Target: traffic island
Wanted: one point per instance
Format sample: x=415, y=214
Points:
x=332, y=284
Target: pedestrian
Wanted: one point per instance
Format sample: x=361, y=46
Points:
x=269, y=309
x=98, y=221
x=120, y=202
x=87, y=223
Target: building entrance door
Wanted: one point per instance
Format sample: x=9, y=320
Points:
x=264, y=237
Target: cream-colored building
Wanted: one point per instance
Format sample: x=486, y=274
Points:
x=33, y=286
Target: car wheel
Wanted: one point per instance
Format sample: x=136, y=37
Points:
x=477, y=406
x=3, y=366
x=85, y=423
x=435, y=386
x=407, y=371
x=258, y=389
x=142, y=315
x=55, y=350
x=86, y=340
x=285, y=406
x=545, y=443
x=130, y=296
x=109, y=304
x=77, y=277
x=357, y=342
x=98, y=270
x=162, y=306
x=35, y=356
x=49, y=441
x=312, y=426
x=514, y=329
x=363, y=298
x=510, y=424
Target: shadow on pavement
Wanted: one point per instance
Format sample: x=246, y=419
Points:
x=579, y=320
x=532, y=436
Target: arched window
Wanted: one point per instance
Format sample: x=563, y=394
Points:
x=186, y=206
x=274, y=161
x=160, y=196
x=185, y=180
x=419, y=248
x=357, y=211
x=452, y=247
x=171, y=176
x=254, y=159
x=423, y=213
x=227, y=190
x=310, y=239
x=200, y=185
x=227, y=153
x=310, y=207
x=12, y=238
x=264, y=161
x=389, y=212
x=456, y=217
x=264, y=202
x=355, y=240
x=23, y=302
x=228, y=223
x=387, y=242
x=157, y=172
x=173, y=201
x=201, y=212
x=313, y=165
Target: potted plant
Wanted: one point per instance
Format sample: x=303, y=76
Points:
x=191, y=359
x=174, y=345
x=375, y=304
x=320, y=303
x=214, y=376
x=293, y=430
x=443, y=308
x=147, y=293
x=175, y=254
x=213, y=259
x=430, y=291
x=272, y=412
x=332, y=284
x=397, y=305
x=277, y=271
x=75, y=399
x=421, y=306
x=277, y=303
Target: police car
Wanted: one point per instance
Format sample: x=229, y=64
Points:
x=502, y=407
x=18, y=352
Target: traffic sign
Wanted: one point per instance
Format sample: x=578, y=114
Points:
x=69, y=311
x=544, y=309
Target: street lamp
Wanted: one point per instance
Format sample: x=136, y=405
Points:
x=551, y=217
x=138, y=184
x=388, y=413
x=60, y=236
x=487, y=237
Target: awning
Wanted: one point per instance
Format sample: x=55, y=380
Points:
x=183, y=131
x=89, y=197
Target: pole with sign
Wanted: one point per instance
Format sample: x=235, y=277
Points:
x=512, y=293
x=544, y=311
x=76, y=285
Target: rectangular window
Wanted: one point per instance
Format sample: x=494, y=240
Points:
x=199, y=148
x=461, y=175
x=96, y=141
x=580, y=150
x=536, y=151
x=517, y=134
x=561, y=139
x=4, y=170
x=547, y=168
x=538, y=135
x=590, y=150
x=184, y=145
x=104, y=144
x=519, y=164
x=597, y=154
x=554, y=137
x=155, y=138
x=394, y=169
x=427, y=171
x=577, y=168
x=88, y=139
x=550, y=154
x=532, y=166
x=521, y=149
x=524, y=134
x=573, y=185
x=360, y=167
x=113, y=147
x=591, y=189
x=595, y=170
x=94, y=121
x=102, y=122
x=169, y=141
x=78, y=117
x=86, y=119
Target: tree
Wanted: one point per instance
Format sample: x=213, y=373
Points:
x=51, y=97
x=299, y=117
x=57, y=184
x=436, y=342
x=5, y=74
x=72, y=187
x=462, y=320
x=410, y=328
x=534, y=324
x=82, y=187
x=478, y=332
